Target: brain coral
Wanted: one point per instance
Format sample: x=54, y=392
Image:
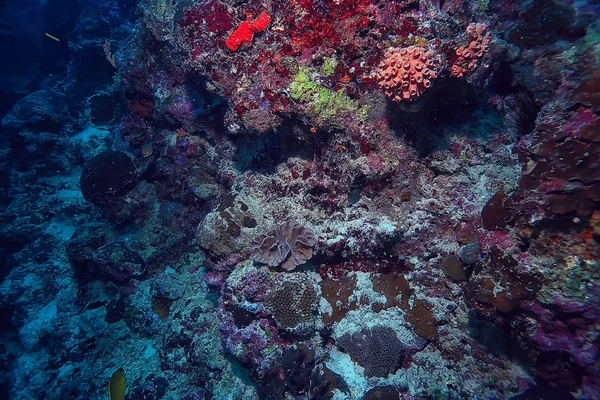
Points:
x=292, y=303
x=377, y=349
x=288, y=244
x=406, y=73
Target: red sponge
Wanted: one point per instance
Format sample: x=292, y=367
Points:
x=244, y=33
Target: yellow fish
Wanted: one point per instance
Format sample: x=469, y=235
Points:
x=117, y=385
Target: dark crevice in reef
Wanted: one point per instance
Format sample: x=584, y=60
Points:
x=290, y=139
x=503, y=80
x=497, y=339
x=425, y=124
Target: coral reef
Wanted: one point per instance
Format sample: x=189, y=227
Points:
x=245, y=32
x=300, y=199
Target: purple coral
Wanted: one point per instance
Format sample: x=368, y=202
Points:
x=287, y=245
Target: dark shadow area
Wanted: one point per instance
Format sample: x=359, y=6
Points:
x=544, y=22
x=6, y=323
x=207, y=107
x=455, y=107
x=34, y=56
x=291, y=139
x=519, y=105
x=503, y=80
x=544, y=391
x=441, y=111
x=59, y=20
x=496, y=340
x=545, y=366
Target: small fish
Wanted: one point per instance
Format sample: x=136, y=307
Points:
x=52, y=37
x=117, y=385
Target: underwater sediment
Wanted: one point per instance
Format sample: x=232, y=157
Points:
x=306, y=199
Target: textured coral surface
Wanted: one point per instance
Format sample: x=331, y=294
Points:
x=303, y=199
x=406, y=73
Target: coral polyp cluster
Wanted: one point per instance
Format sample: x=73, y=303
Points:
x=406, y=73
x=470, y=55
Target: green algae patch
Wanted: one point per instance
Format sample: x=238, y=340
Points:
x=328, y=68
x=322, y=103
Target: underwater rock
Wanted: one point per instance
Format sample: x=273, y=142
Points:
x=102, y=108
x=139, y=315
x=382, y=393
x=454, y=268
x=501, y=284
x=324, y=382
x=303, y=374
x=107, y=176
x=298, y=363
x=247, y=332
x=41, y=111
x=215, y=145
x=168, y=285
x=117, y=263
x=544, y=391
x=81, y=248
x=219, y=234
x=496, y=214
x=542, y=22
x=153, y=388
x=42, y=326
x=115, y=309
x=92, y=258
x=470, y=253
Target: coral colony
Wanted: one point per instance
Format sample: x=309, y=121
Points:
x=301, y=199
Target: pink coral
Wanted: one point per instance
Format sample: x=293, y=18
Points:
x=469, y=55
x=406, y=73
